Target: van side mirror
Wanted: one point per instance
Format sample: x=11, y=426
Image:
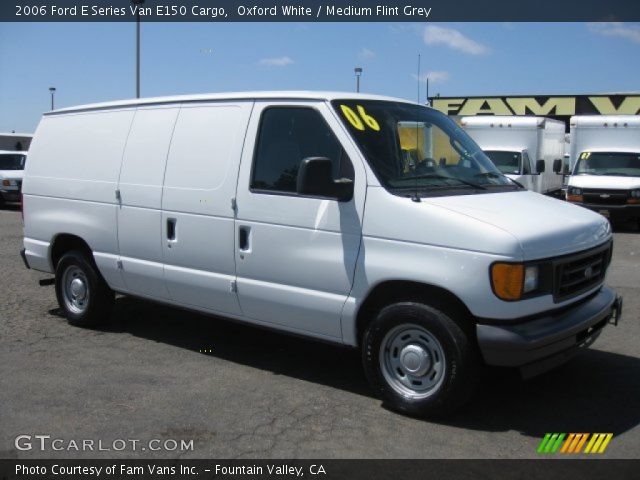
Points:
x=540, y=166
x=315, y=178
x=557, y=165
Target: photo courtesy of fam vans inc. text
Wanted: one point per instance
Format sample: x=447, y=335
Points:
x=320, y=238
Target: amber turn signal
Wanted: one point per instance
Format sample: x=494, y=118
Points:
x=507, y=280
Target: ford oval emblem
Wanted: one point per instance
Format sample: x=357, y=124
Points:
x=605, y=195
x=588, y=272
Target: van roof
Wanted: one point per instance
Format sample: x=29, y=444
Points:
x=259, y=95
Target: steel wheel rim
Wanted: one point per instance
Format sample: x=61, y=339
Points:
x=75, y=290
x=412, y=361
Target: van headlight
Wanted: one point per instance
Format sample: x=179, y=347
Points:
x=530, y=283
x=512, y=281
x=634, y=197
x=574, y=194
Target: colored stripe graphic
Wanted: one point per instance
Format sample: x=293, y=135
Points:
x=551, y=442
x=556, y=443
x=581, y=443
x=567, y=442
x=543, y=442
x=608, y=438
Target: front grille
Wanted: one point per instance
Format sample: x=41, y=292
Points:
x=578, y=273
x=605, y=197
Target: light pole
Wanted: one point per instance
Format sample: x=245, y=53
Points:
x=53, y=92
x=358, y=72
x=137, y=3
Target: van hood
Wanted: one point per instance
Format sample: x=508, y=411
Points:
x=608, y=182
x=543, y=226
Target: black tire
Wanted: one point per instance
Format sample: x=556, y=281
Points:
x=97, y=303
x=461, y=360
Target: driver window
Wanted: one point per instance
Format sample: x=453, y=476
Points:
x=288, y=135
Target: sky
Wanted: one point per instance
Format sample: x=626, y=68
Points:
x=95, y=62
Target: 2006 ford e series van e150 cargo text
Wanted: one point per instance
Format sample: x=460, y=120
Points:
x=356, y=219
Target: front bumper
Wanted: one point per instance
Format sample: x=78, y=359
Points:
x=615, y=212
x=542, y=343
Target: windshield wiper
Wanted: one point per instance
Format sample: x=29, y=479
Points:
x=497, y=175
x=488, y=174
x=444, y=177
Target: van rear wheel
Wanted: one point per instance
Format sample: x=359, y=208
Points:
x=82, y=293
x=418, y=360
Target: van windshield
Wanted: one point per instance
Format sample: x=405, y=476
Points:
x=11, y=161
x=508, y=163
x=623, y=164
x=414, y=149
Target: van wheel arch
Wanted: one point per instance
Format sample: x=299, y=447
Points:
x=65, y=242
x=394, y=291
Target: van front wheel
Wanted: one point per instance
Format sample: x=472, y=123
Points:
x=419, y=360
x=82, y=293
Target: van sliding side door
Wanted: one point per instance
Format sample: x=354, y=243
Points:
x=197, y=228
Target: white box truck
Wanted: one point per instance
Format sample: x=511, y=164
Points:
x=523, y=148
x=12, y=141
x=605, y=156
x=308, y=213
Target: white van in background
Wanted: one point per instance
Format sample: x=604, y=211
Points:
x=306, y=212
x=605, y=156
x=11, y=171
x=523, y=148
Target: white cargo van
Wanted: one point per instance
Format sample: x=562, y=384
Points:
x=605, y=155
x=11, y=172
x=525, y=149
x=306, y=212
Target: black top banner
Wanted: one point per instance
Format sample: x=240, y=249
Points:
x=319, y=11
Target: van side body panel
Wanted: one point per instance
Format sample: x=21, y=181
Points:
x=70, y=185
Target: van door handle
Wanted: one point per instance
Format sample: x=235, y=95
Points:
x=244, y=239
x=171, y=229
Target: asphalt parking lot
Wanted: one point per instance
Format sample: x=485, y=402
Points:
x=256, y=393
